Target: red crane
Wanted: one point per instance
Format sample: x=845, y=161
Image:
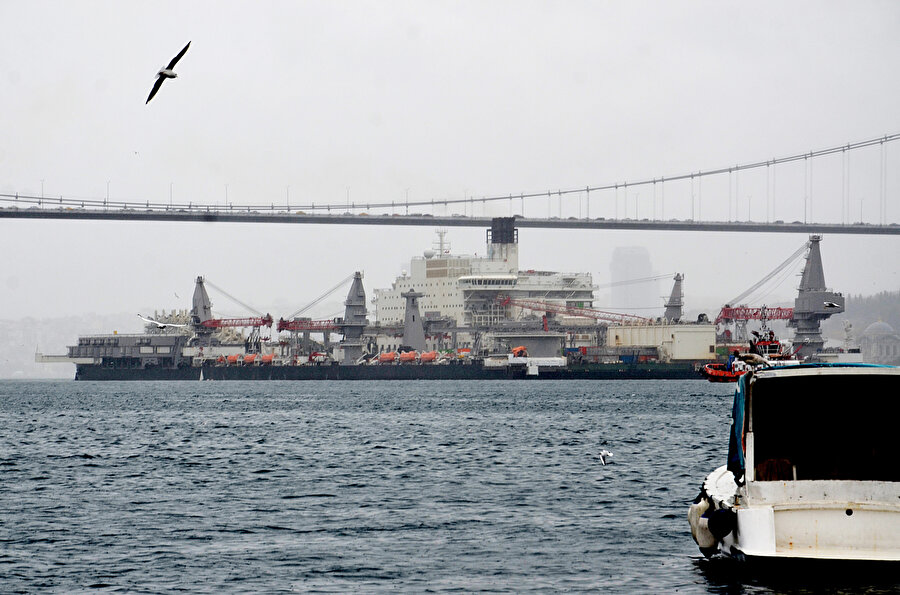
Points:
x=540, y=306
x=750, y=313
x=307, y=325
x=237, y=322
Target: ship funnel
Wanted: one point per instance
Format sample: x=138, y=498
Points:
x=503, y=242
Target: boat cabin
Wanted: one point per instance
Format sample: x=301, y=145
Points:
x=816, y=423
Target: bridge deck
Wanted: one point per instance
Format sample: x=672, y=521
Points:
x=236, y=216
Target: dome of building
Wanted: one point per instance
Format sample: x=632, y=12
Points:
x=878, y=328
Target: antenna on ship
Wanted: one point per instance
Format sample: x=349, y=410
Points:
x=442, y=246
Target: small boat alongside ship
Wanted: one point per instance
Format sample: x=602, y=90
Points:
x=766, y=345
x=812, y=471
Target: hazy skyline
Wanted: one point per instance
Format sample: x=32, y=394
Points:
x=318, y=101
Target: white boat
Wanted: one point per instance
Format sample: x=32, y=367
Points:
x=813, y=470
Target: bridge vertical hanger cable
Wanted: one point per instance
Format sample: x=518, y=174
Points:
x=844, y=210
x=729, y=195
x=700, y=198
x=805, y=189
x=692, y=198
x=883, y=184
x=811, y=193
x=616, y=203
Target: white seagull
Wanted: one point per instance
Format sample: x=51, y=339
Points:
x=166, y=73
x=603, y=454
x=160, y=325
x=831, y=305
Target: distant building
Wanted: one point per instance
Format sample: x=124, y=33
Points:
x=880, y=344
x=630, y=263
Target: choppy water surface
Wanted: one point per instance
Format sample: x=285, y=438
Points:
x=358, y=486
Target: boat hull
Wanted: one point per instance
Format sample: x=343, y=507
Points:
x=454, y=371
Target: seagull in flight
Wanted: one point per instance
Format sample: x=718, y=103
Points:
x=160, y=325
x=831, y=305
x=603, y=454
x=166, y=73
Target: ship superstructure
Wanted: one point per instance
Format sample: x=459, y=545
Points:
x=468, y=288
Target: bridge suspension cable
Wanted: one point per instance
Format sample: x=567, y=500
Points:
x=194, y=207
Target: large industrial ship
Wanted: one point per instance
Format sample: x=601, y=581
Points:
x=462, y=317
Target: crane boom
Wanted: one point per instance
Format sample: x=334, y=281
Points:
x=748, y=313
x=232, y=298
x=321, y=297
x=777, y=270
x=307, y=325
x=540, y=306
x=237, y=322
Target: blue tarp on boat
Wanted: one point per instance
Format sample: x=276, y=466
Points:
x=736, y=440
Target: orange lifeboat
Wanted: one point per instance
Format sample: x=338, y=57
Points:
x=408, y=357
x=520, y=351
x=249, y=359
x=232, y=360
x=267, y=359
x=387, y=358
x=428, y=356
x=721, y=373
x=220, y=359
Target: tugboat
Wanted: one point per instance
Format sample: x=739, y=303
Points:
x=764, y=344
x=812, y=473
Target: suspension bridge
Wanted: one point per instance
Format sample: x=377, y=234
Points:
x=801, y=193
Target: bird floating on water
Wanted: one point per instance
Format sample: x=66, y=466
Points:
x=166, y=73
x=604, y=454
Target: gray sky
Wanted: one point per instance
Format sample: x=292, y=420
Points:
x=315, y=100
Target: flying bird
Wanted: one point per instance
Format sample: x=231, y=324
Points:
x=831, y=305
x=160, y=325
x=166, y=73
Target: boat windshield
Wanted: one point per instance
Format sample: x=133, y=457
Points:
x=825, y=427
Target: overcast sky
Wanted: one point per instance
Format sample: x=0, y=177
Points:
x=315, y=101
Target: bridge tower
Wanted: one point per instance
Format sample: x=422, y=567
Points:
x=814, y=303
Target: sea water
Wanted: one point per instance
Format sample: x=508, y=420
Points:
x=414, y=486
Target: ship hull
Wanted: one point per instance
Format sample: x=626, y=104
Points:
x=472, y=371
